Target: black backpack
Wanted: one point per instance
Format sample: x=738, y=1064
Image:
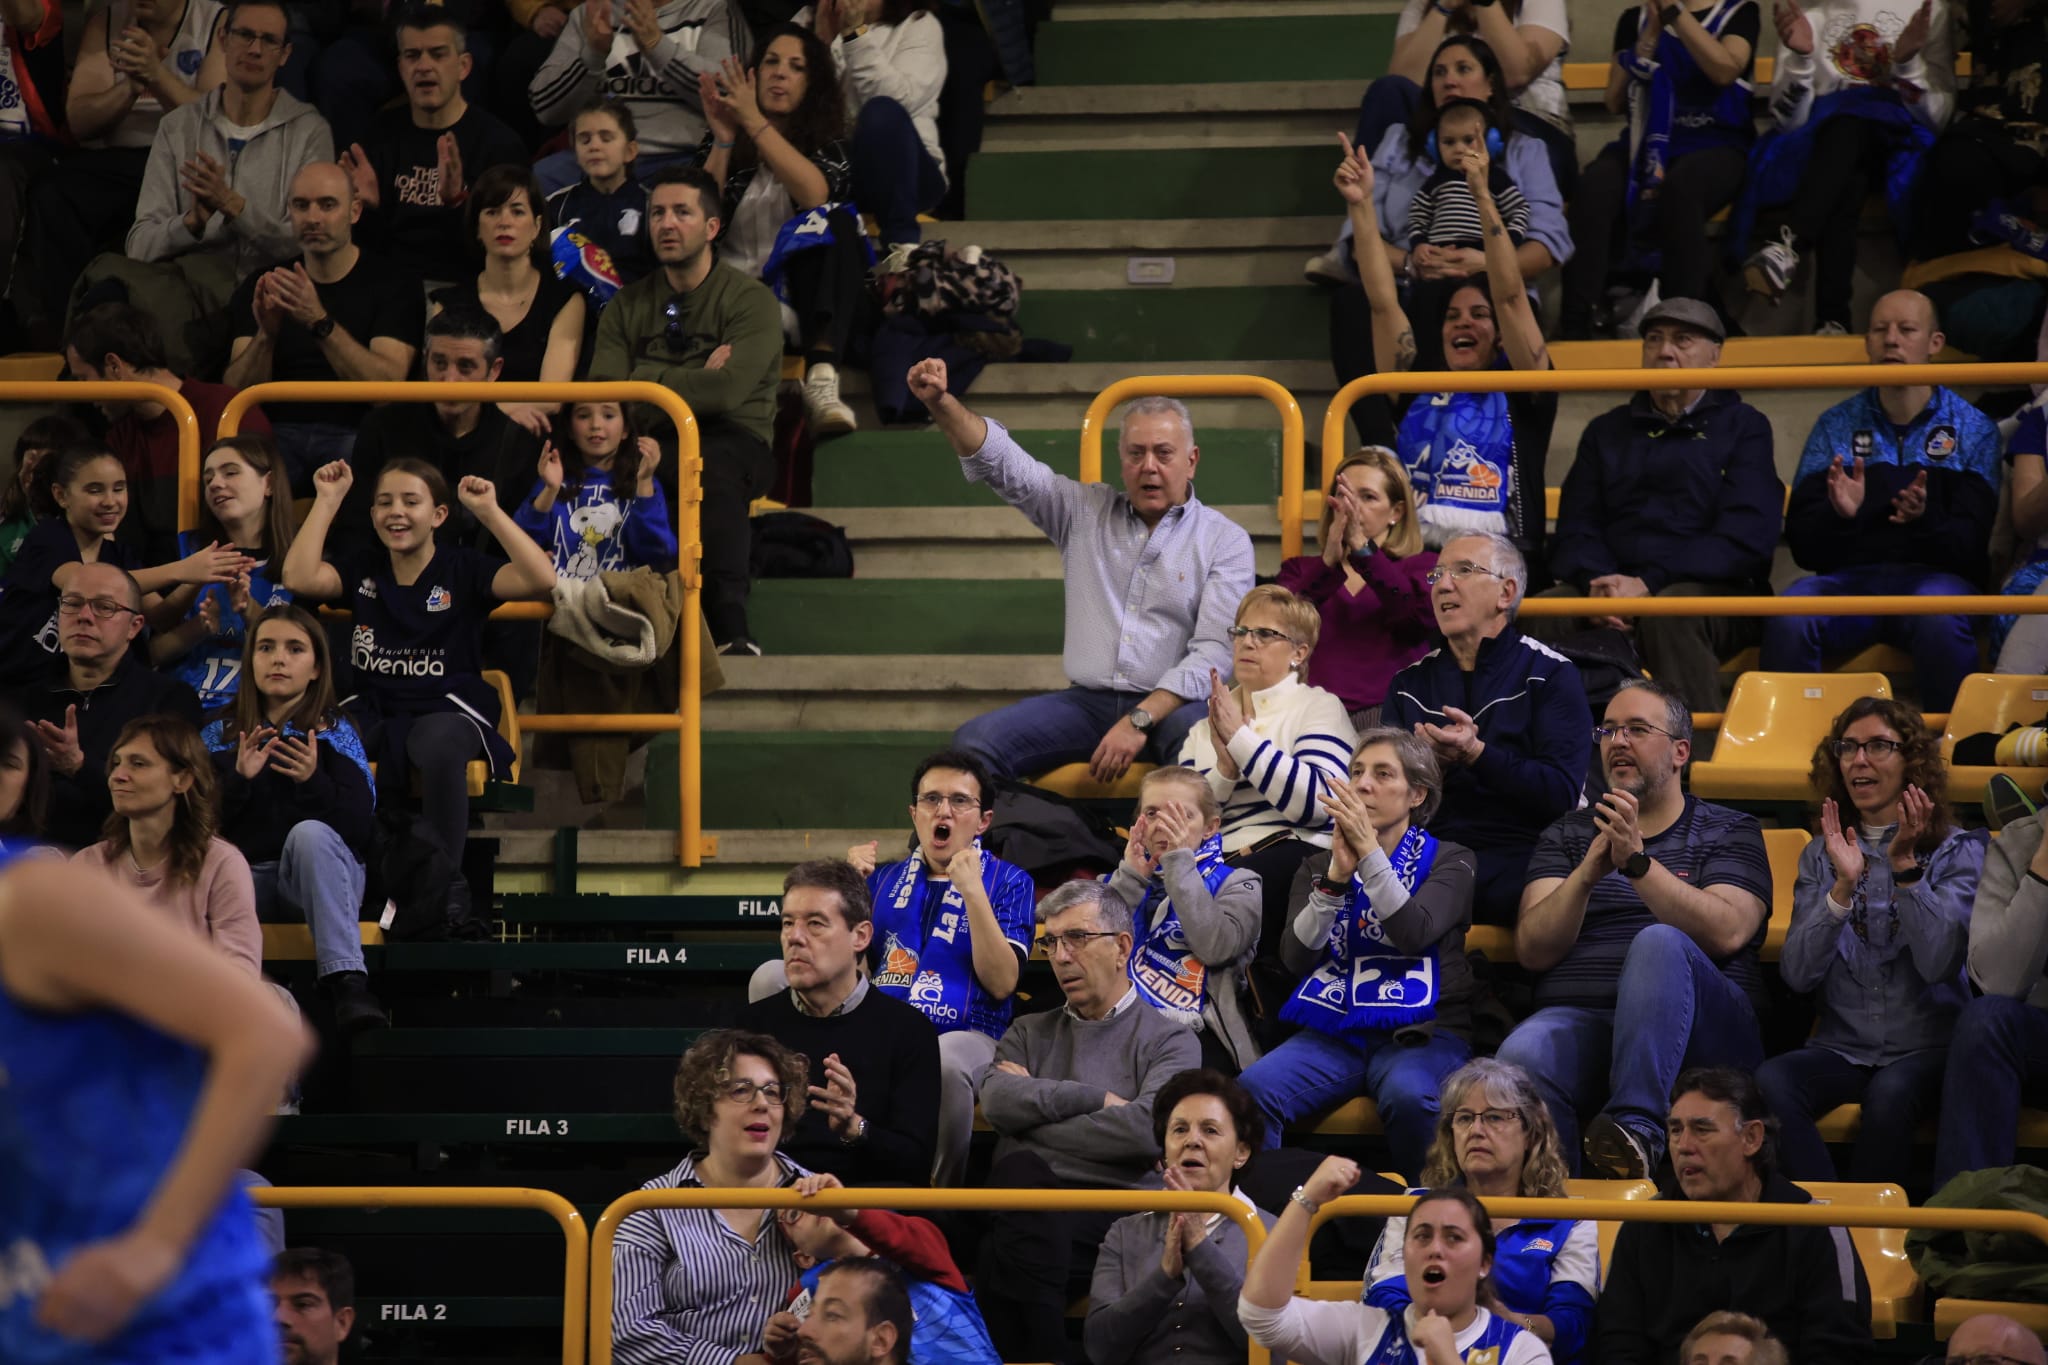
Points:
x=799, y=545
x=413, y=886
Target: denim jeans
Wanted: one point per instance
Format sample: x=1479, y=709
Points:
x=894, y=177
x=318, y=879
x=1312, y=1071
x=1944, y=648
x=305, y=446
x=1999, y=1056
x=1677, y=1010
x=1046, y=731
x=1803, y=1085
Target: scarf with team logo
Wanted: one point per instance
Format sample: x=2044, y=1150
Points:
x=1168, y=975
x=1364, y=984
x=925, y=957
x=1459, y=450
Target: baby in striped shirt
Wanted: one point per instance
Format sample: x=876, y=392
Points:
x=1444, y=213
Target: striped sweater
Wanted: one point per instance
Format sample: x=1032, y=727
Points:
x=1299, y=737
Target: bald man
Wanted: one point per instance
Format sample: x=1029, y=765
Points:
x=1896, y=494
x=1999, y=1338
x=336, y=312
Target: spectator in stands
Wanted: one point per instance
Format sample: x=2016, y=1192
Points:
x=296, y=798
x=1448, y=1237
x=1896, y=492
x=1166, y=1284
x=874, y=1059
x=1367, y=583
x=1378, y=933
x=316, y=1304
x=1505, y=715
x=705, y=330
x=783, y=118
x=1495, y=1139
x=211, y=211
x=1648, y=908
x=1443, y=212
x=891, y=56
x=1475, y=460
x=1804, y=1282
x=26, y=498
x=28, y=141
x=886, y=1328
x=1673, y=494
x=535, y=26
x=162, y=838
x=539, y=314
x=121, y=343
x=649, y=56
x=704, y=1282
x=835, y=1242
x=597, y=506
x=1070, y=1097
x=24, y=782
x=419, y=611
x=963, y=982
x=1195, y=916
x=337, y=313
x=1861, y=89
x=599, y=242
x=1530, y=38
x=1134, y=676
x=413, y=174
x=1880, y=926
x=1648, y=196
x=1730, y=1338
x=2021, y=642
x=1982, y=181
x=1998, y=1055
x=1271, y=746
x=243, y=503
x=1996, y=1338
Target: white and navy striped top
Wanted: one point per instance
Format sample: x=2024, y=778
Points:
x=1299, y=737
x=687, y=1289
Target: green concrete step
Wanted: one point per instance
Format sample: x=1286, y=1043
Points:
x=1220, y=182
x=916, y=468
x=1247, y=323
x=901, y=616
x=1195, y=51
x=816, y=781
x=526, y=1042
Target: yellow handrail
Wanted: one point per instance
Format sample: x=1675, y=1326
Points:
x=576, y=1269
x=906, y=1200
x=1293, y=437
x=129, y=391
x=1979, y=604
x=1705, y=1211
x=688, y=722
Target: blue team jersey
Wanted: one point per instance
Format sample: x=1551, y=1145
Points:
x=93, y=1107
x=213, y=667
x=945, y=1325
x=1949, y=433
x=922, y=952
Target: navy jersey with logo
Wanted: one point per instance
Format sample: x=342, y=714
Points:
x=411, y=644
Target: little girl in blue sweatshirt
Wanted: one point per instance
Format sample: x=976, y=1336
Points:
x=597, y=506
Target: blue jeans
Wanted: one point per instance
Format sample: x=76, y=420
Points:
x=1806, y=1083
x=1680, y=1011
x=1038, y=733
x=1999, y=1055
x=1944, y=649
x=305, y=446
x=1312, y=1071
x=318, y=879
x=894, y=177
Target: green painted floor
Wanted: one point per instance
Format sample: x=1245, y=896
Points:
x=1151, y=52
x=907, y=616
x=918, y=469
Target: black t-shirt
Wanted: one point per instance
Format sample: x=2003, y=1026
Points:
x=414, y=643
x=28, y=597
x=526, y=345
x=412, y=224
x=375, y=299
x=497, y=448
x=1745, y=23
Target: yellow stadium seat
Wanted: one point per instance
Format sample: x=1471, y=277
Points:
x=31, y=367
x=1609, y=1189
x=1784, y=847
x=1494, y=942
x=1879, y=659
x=294, y=942
x=1073, y=782
x=793, y=369
x=1842, y=1123
x=1993, y=701
x=1950, y=1314
x=1894, y=1284
x=1774, y=720
x=479, y=772
x=1353, y=1118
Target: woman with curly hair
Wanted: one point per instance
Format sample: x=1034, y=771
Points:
x=1494, y=1137
x=1880, y=928
x=691, y=1284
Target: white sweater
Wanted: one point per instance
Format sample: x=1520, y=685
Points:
x=904, y=62
x=1298, y=738
x=1852, y=45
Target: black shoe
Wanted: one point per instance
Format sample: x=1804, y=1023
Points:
x=1612, y=1152
x=740, y=644
x=2005, y=802
x=355, y=1009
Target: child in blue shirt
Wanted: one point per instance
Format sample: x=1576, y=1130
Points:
x=597, y=506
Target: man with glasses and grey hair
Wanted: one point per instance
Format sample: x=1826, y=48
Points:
x=1153, y=579
x=1649, y=906
x=1993, y=1339
x=1506, y=715
x=1070, y=1096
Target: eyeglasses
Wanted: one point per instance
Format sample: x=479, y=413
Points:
x=743, y=1092
x=1073, y=940
x=1461, y=572
x=249, y=37
x=1637, y=731
x=100, y=608
x=1464, y=1120
x=934, y=802
x=1875, y=748
x=1260, y=635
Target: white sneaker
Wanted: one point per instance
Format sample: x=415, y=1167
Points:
x=895, y=259
x=1831, y=329
x=1771, y=267
x=1331, y=267
x=829, y=415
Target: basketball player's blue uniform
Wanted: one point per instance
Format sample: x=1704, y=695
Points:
x=93, y=1107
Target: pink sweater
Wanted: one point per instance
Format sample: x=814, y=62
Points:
x=221, y=904
x=1370, y=635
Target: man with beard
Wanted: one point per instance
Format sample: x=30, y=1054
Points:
x=315, y=1291
x=860, y=1316
x=1648, y=907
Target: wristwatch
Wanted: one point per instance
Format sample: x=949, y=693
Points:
x=324, y=328
x=1141, y=720
x=1911, y=876
x=860, y=1130
x=1330, y=886
x=1302, y=1199
x=1637, y=866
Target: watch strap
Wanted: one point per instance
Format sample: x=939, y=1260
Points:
x=1309, y=1205
x=1638, y=865
x=1142, y=720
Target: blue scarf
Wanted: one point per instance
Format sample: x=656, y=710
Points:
x=1364, y=985
x=1778, y=162
x=934, y=970
x=1393, y=1347
x=1677, y=110
x=1459, y=450
x=1168, y=975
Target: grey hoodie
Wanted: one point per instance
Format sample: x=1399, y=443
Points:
x=660, y=87
x=291, y=138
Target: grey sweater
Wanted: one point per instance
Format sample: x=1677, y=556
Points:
x=2009, y=919
x=1138, y=1316
x=1057, y=1110
x=1222, y=930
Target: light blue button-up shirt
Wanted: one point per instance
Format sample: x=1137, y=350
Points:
x=1147, y=607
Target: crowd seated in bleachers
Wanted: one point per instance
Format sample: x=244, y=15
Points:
x=26, y=498
x=540, y=314
x=315, y=1290
x=606, y=208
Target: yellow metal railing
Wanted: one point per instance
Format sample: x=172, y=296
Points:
x=103, y=390
x=576, y=1258
x=1293, y=436
x=688, y=722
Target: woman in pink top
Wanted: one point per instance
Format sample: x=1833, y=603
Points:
x=160, y=837
x=1367, y=583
